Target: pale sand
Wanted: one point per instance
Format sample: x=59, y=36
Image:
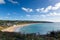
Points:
x=12, y=28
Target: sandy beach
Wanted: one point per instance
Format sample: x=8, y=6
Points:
x=12, y=28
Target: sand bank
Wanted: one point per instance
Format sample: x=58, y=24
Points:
x=12, y=28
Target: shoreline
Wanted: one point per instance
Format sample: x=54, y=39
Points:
x=12, y=28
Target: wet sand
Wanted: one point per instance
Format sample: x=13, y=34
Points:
x=12, y=28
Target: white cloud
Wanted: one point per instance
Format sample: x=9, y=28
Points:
x=7, y=17
x=53, y=14
x=40, y=10
x=42, y=15
x=27, y=9
x=14, y=2
x=57, y=6
x=28, y=15
x=44, y=9
x=47, y=9
x=2, y=2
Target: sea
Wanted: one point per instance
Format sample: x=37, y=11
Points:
x=42, y=28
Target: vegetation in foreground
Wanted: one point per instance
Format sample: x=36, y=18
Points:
x=19, y=36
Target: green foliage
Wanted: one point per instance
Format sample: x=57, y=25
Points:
x=33, y=36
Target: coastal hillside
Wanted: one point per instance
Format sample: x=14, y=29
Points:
x=8, y=23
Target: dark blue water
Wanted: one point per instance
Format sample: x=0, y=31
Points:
x=42, y=28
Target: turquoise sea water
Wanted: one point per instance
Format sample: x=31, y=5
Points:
x=42, y=28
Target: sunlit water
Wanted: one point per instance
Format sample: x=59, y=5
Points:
x=42, y=28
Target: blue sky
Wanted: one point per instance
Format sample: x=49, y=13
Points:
x=39, y=10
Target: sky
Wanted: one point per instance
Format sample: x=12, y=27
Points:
x=37, y=10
